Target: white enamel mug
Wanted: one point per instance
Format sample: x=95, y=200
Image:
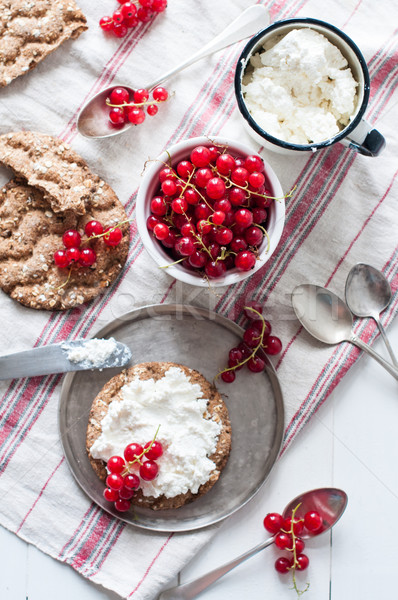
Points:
x=358, y=134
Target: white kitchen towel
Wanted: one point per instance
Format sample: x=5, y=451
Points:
x=344, y=210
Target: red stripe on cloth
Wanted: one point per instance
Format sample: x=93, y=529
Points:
x=40, y=495
x=150, y=566
x=79, y=533
x=352, y=14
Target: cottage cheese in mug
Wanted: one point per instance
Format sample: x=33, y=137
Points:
x=301, y=90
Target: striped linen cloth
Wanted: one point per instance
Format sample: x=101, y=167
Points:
x=344, y=210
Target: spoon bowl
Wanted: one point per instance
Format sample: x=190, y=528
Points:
x=93, y=119
x=368, y=293
x=328, y=319
x=330, y=503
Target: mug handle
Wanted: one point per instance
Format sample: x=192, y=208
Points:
x=365, y=140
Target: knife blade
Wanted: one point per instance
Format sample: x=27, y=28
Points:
x=74, y=355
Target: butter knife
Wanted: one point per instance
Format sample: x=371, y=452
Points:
x=74, y=355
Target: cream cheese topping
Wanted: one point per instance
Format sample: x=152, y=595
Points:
x=301, y=90
x=188, y=439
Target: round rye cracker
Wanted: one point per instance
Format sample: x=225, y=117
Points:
x=30, y=233
x=216, y=410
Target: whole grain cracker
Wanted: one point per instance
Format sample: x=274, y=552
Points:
x=216, y=409
x=30, y=233
x=52, y=166
x=32, y=29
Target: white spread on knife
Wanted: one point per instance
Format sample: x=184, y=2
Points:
x=188, y=439
x=301, y=90
x=92, y=353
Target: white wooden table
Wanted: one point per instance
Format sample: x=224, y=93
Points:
x=351, y=443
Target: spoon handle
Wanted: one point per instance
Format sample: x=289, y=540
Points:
x=388, y=367
x=387, y=342
x=193, y=588
x=248, y=23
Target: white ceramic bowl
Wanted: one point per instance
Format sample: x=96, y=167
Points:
x=150, y=185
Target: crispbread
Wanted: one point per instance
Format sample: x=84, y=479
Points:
x=50, y=165
x=30, y=30
x=30, y=233
x=216, y=409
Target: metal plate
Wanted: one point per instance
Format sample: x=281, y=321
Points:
x=199, y=339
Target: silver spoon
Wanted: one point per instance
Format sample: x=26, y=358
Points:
x=93, y=120
x=329, y=502
x=325, y=316
x=368, y=293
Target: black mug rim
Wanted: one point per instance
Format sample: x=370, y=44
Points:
x=241, y=65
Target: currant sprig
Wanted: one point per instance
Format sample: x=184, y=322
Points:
x=257, y=337
x=122, y=480
x=123, y=109
x=130, y=14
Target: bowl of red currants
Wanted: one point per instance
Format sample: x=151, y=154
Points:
x=210, y=211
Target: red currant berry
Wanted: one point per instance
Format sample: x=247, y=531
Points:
x=238, y=244
x=118, y=17
x=253, y=235
x=298, y=526
x=283, y=564
x=237, y=196
x=273, y=522
x=166, y=173
x=188, y=230
x=169, y=187
x=254, y=163
x=132, y=481
x=120, y=30
x=313, y=521
x=155, y=450
x=161, y=231
x=259, y=215
x=114, y=481
x=251, y=337
x=256, y=364
x=224, y=236
x=244, y=217
x=202, y=211
x=158, y=206
x=218, y=217
x=106, y=23
x=110, y=495
x=119, y=95
x=128, y=10
x=141, y=95
x=146, y=3
x=160, y=94
x=200, y=156
x=144, y=15
x=250, y=314
x=130, y=22
x=136, y=115
x=170, y=240
x=185, y=246
x=73, y=255
x=256, y=180
x=93, y=228
x=152, y=109
x=228, y=376
x=299, y=545
x=245, y=260
x=203, y=176
x=272, y=345
x=184, y=168
x=122, y=505
x=71, y=239
x=179, y=205
x=215, y=188
x=240, y=176
x=148, y=470
x=116, y=116
x=87, y=257
x=303, y=562
x=191, y=196
x=215, y=268
x=224, y=205
x=283, y=541
x=115, y=464
x=197, y=259
x=159, y=5
x=225, y=164
x=126, y=493
x=113, y=236
x=151, y=222
x=132, y=451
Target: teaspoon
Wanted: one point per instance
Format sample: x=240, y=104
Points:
x=328, y=319
x=368, y=293
x=93, y=120
x=330, y=503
